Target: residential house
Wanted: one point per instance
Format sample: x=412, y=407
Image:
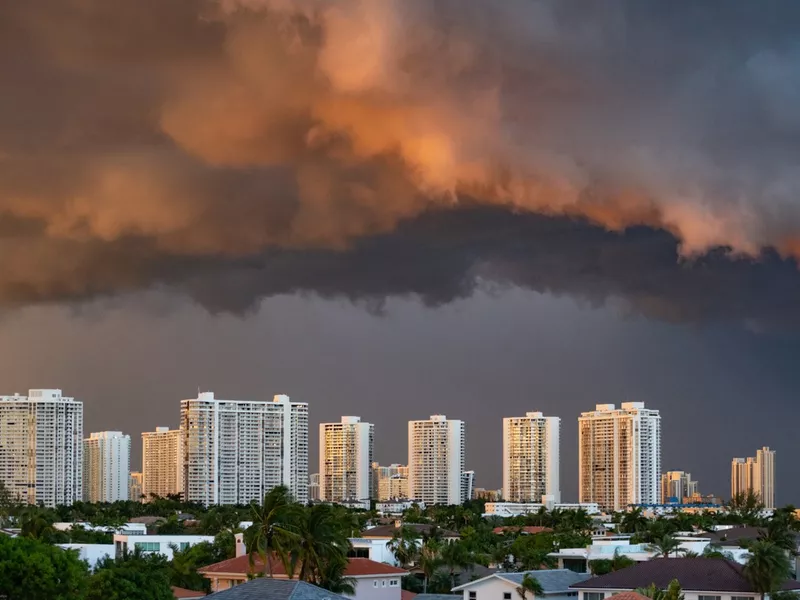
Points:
x=374, y=542
x=273, y=589
x=503, y=586
x=700, y=579
x=161, y=544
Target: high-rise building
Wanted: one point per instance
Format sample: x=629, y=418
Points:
x=467, y=485
x=619, y=456
x=236, y=451
x=531, y=462
x=313, y=487
x=162, y=463
x=755, y=474
x=106, y=466
x=41, y=448
x=677, y=485
x=436, y=457
x=345, y=460
x=391, y=482
x=135, y=486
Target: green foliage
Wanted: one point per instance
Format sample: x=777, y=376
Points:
x=404, y=545
x=529, y=585
x=745, y=508
x=185, y=563
x=132, y=576
x=33, y=570
x=673, y=591
x=767, y=568
x=666, y=546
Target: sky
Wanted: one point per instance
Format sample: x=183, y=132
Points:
x=403, y=207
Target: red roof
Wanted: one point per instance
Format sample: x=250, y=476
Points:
x=529, y=529
x=628, y=596
x=406, y=595
x=356, y=567
x=184, y=593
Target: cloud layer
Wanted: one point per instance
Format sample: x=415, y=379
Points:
x=170, y=142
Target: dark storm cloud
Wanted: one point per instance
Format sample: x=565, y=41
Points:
x=235, y=149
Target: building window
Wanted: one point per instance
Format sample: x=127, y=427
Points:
x=473, y=595
x=374, y=584
x=393, y=583
x=709, y=598
x=184, y=545
x=148, y=546
x=742, y=598
x=593, y=596
x=506, y=595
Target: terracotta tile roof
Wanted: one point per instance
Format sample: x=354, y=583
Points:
x=178, y=592
x=694, y=574
x=406, y=595
x=628, y=596
x=356, y=567
x=529, y=529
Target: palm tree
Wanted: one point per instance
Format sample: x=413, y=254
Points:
x=746, y=508
x=767, y=568
x=673, y=592
x=404, y=545
x=333, y=578
x=270, y=533
x=317, y=539
x=529, y=584
x=456, y=555
x=429, y=560
x=779, y=532
x=633, y=521
x=666, y=545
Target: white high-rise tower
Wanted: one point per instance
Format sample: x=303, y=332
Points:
x=41, y=449
x=236, y=451
x=619, y=456
x=106, y=466
x=531, y=463
x=345, y=460
x=436, y=458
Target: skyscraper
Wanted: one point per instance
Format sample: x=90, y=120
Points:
x=135, y=486
x=236, y=451
x=619, y=456
x=436, y=458
x=531, y=463
x=106, y=466
x=345, y=460
x=162, y=463
x=41, y=454
x=677, y=485
x=755, y=474
x=391, y=482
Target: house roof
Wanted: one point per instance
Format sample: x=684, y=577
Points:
x=387, y=531
x=407, y=595
x=529, y=529
x=735, y=535
x=628, y=596
x=437, y=597
x=184, y=594
x=551, y=580
x=694, y=574
x=275, y=589
x=356, y=567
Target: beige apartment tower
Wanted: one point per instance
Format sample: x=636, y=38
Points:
x=436, y=458
x=162, y=467
x=531, y=458
x=345, y=460
x=756, y=474
x=619, y=456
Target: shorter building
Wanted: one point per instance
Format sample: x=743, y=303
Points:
x=395, y=508
x=135, y=486
x=517, y=509
x=608, y=546
x=488, y=495
x=126, y=529
x=373, y=543
x=755, y=474
x=91, y=553
x=162, y=544
x=106, y=466
x=373, y=580
x=503, y=586
x=677, y=485
x=390, y=483
x=313, y=487
x=162, y=463
x=700, y=579
x=285, y=589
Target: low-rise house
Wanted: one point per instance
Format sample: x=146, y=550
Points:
x=373, y=543
x=397, y=507
x=127, y=528
x=91, y=553
x=606, y=547
x=700, y=579
x=274, y=589
x=161, y=544
x=516, y=509
x=373, y=580
x=503, y=586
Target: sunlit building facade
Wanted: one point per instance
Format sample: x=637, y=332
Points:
x=755, y=474
x=106, y=466
x=162, y=463
x=345, y=460
x=531, y=460
x=436, y=458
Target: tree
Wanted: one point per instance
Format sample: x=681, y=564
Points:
x=665, y=546
x=746, y=507
x=767, y=568
x=455, y=556
x=779, y=531
x=673, y=591
x=185, y=563
x=316, y=538
x=269, y=534
x=712, y=551
x=33, y=570
x=429, y=560
x=633, y=521
x=131, y=576
x=404, y=545
x=530, y=585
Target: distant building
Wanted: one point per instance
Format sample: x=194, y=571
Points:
x=41, y=455
x=162, y=463
x=235, y=451
x=436, y=457
x=619, y=456
x=106, y=466
x=531, y=464
x=488, y=495
x=467, y=485
x=677, y=485
x=516, y=509
x=345, y=460
x=156, y=544
x=135, y=486
x=313, y=487
x=755, y=474
x=390, y=482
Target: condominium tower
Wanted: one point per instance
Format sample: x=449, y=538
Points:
x=41, y=447
x=677, y=486
x=755, y=474
x=106, y=466
x=162, y=463
x=531, y=458
x=436, y=460
x=135, y=486
x=619, y=455
x=345, y=460
x=235, y=451
x=390, y=483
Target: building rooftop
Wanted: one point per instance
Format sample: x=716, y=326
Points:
x=387, y=531
x=356, y=567
x=184, y=594
x=276, y=589
x=694, y=574
x=529, y=529
x=551, y=580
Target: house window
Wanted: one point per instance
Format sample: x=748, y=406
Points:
x=148, y=546
x=393, y=583
x=593, y=596
x=506, y=595
x=473, y=595
x=374, y=584
x=742, y=598
x=709, y=598
x=383, y=583
x=184, y=545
